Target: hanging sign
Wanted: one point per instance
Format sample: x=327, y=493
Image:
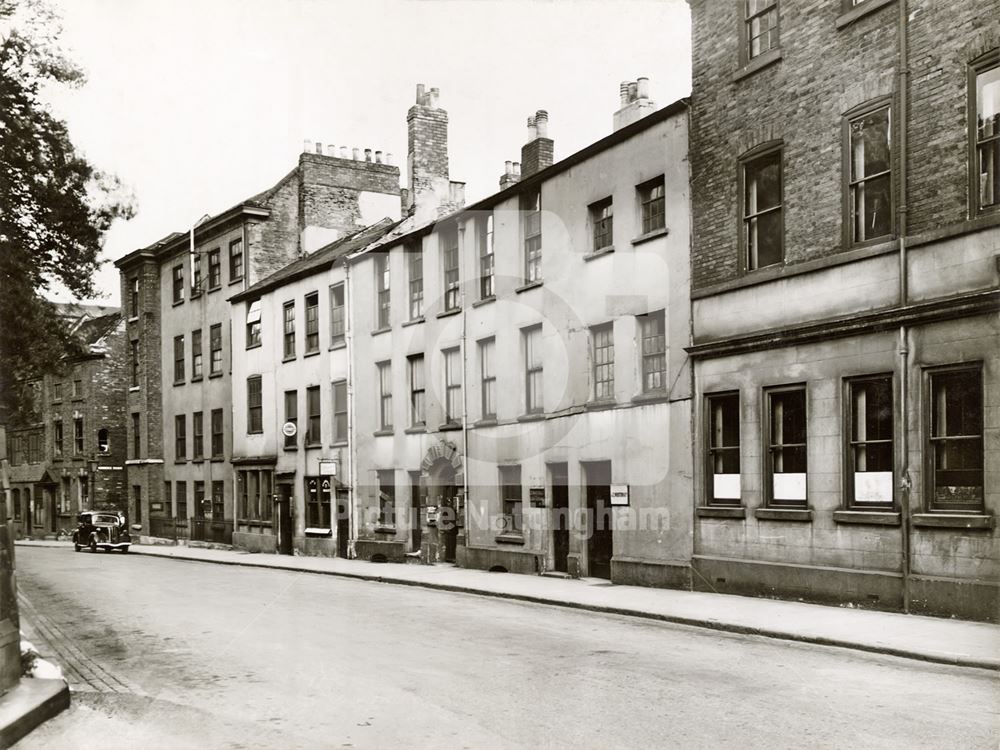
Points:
x=327, y=467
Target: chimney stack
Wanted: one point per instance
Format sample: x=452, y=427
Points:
x=537, y=153
x=427, y=154
x=635, y=102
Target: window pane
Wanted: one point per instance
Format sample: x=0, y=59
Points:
x=988, y=136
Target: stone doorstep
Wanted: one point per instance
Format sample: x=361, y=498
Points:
x=31, y=703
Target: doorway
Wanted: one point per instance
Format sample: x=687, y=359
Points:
x=600, y=537
x=343, y=522
x=444, y=495
x=560, y=517
x=284, y=517
x=415, y=530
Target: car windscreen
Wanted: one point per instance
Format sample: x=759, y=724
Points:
x=110, y=520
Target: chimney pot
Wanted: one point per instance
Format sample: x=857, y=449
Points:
x=643, y=87
x=508, y=167
x=356, y=154
x=632, y=90
x=623, y=92
x=388, y=158
x=517, y=167
x=378, y=157
x=319, y=147
x=307, y=146
x=343, y=152
x=368, y=154
x=542, y=123
x=420, y=93
x=331, y=150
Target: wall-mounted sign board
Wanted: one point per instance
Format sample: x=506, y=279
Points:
x=619, y=494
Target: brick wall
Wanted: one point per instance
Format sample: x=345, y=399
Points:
x=823, y=73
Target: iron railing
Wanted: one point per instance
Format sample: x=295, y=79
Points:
x=211, y=530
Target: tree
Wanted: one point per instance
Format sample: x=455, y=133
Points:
x=55, y=207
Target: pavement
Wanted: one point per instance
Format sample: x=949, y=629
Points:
x=930, y=639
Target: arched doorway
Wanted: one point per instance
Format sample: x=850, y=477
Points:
x=442, y=481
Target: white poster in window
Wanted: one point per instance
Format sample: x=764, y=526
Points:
x=789, y=486
x=726, y=487
x=619, y=494
x=873, y=486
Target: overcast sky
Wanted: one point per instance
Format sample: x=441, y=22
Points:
x=198, y=105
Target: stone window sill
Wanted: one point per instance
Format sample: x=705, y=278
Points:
x=310, y=354
x=214, y=289
x=215, y=375
x=449, y=426
x=413, y=322
x=377, y=331
x=288, y=359
x=385, y=529
x=318, y=532
x=953, y=521
x=867, y=517
x=415, y=430
x=783, y=514
x=489, y=422
x=177, y=302
x=196, y=378
x=651, y=397
x=133, y=389
x=133, y=319
x=197, y=460
x=217, y=459
x=718, y=511
x=509, y=539
x=600, y=404
x=449, y=313
x=484, y=301
x=534, y=417
x=758, y=63
x=869, y=6
x=237, y=280
x=599, y=252
x=528, y=285
x=384, y=432
x=338, y=345
x=650, y=236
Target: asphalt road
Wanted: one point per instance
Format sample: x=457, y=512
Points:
x=174, y=654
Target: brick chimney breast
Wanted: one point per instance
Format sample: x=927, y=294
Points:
x=427, y=152
x=537, y=153
x=634, y=102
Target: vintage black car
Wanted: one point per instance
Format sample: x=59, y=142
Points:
x=101, y=529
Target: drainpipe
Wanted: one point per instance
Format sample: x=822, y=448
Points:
x=352, y=441
x=465, y=407
x=904, y=443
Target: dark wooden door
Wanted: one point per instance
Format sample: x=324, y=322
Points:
x=449, y=528
x=415, y=530
x=284, y=519
x=343, y=523
x=560, y=518
x=600, y=543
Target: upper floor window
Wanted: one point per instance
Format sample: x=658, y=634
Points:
x=180, y=437
x=602, y=339
x=485, y=225
x=292, y=417
x=134, y=370
x=288, y=318
x=57, y=438
x=214, y=269
x=255, y=405
x=531, y=217
x=956, y=439
x=337, y=318
x=217, y=434
x=136, y=435
x=215, y=349
x=652, y=204
x=385, y=394
x=340, y=411
x=452, y=385
x=57, y=391
x=178, y=280
x=178, y=359
x=602, y=220
x=382, y=286
x=386, y=497
x=133, y=297
x=488, y=377
x=253, y=324
x=761, y=27
x=985, y=91
x=235, y=260
x=196, y=276
x=652, y=331
x=449, y=256
x=723, y=432
x=763, y=230
x=197, y=369
x=76, y=392
x=78, y=436
x=870, y=175
x=312, y=323
x=415, y=261
x=533, y=381
x=314, y=416
x=417, y=390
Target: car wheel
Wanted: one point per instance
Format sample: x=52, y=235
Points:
x=93, y=545
x=125, y=548
x=76, y=547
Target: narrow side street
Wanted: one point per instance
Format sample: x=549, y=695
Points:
x=219, y=656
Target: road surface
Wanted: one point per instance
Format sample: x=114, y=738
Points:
x=175, y=654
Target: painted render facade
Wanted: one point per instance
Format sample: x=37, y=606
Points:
x=442, y=368
x=845, y=303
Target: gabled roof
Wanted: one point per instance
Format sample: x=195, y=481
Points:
x=92, y=331
x=320, y=260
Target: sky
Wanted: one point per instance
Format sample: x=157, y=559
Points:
x=198, y=105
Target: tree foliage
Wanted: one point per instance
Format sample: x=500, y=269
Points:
x=55, y=207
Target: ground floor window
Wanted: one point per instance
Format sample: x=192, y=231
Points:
x=137, y=500
x=253, y=488
x=387, y=498
x=218, y=503
x=182, y=500
x=724, y=449
x=318, y=490
x=199, y=500
x=15, y=499
x=786, y=446
x=38, y=512
x=869, y=450
x=956, y=438
x=510, y=498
